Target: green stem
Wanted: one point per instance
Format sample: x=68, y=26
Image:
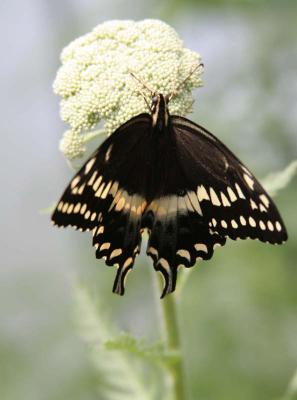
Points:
x=170, y=323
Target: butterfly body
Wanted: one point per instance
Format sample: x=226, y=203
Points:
x=175, y=179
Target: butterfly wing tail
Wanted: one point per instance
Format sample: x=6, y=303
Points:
x=117, y=238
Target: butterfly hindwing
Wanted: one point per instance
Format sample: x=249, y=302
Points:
x=118, y=237
x=178, y=237
x=178, y=232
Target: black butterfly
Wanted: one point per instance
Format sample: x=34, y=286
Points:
x=172, y=177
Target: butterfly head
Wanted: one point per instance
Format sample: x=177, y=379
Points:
x=159, y=111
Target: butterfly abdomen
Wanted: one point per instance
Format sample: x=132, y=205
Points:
x=160, y=115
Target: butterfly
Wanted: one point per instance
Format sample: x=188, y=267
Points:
x=171, y=177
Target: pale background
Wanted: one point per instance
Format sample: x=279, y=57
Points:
x=239, y=309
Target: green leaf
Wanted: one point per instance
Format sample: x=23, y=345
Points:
x=155, y=352
x=274, y=182
x=119, y=376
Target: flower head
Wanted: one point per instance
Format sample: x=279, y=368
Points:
x=96, y=85
x=72, y=145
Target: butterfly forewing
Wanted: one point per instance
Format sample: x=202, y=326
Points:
x=232, y=201
x=107, y=196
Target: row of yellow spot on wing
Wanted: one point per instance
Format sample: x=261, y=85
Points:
x=248, y=177
x=77, y=208
x=247, y=221
x=74, y=184
x=165, y=206
x=114, y=253
x=107, y=245
x=122, y=201
x=191, y=201
x=184, y=254
x=89, y=165
x=101, y=189
x=199, y=247
x=168, y=207
x=250, y=182
x=164, y=265
x=78, y=189
x=221, y=199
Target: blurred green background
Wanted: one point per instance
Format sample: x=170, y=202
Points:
x=239, y=310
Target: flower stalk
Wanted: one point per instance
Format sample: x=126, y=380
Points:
x=171, y=337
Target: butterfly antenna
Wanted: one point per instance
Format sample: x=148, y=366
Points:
x=140, y=91
x=185, y=80
x=140, y=81
x=145, y=99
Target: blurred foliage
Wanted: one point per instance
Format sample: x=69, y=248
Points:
x=274, y=182
x=292, y=389
x=233, y=334
x=155, y=352
x=119, y=376
x=238, y=311
x=231, y=3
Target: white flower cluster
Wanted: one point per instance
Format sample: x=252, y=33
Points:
x=96, y=85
